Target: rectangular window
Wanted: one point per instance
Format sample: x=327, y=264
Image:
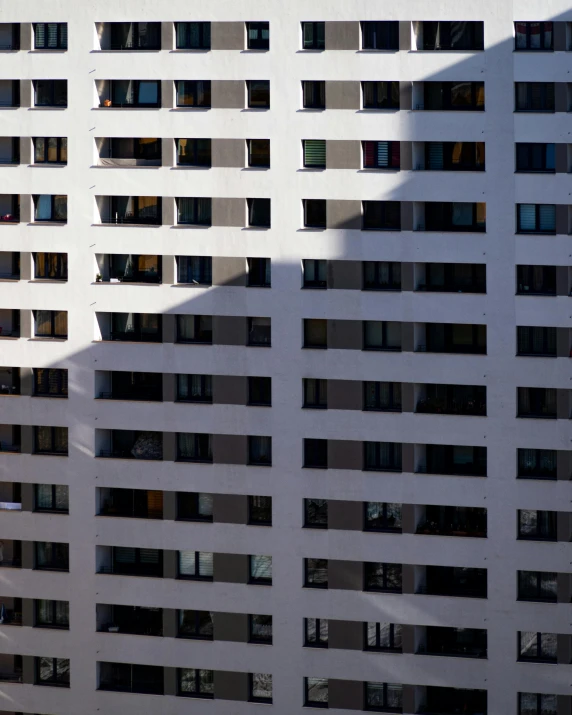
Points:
x=51, y=440
x=534, y=36
x=50, y=207
x=259, y=213
x=193, y=93
x=315, y=393
x=455, y=216
x=52, y=614
x=51, y=323
x=536, y=218
x=260, y=629
x=260, y=332
x=384, y=396
x=51, y=266
x=315, y=333
x=193, y=35
x=194, y=447
x=194, y=388
x=314, y=153
x=383, y=636
x=536, y=525
x=194, y=329
x=260, y=570
x=539, y=402
x=194, y=269
x=258, y=35
x=381, y=335
x=382, y=516
x=133, y=93
x=260, y=688
x=382, y=456
x=446, y=35
x=534, y=96
x=316, y=692
x=259, y=153
x=539, y=280
x=381, y=216
x=50, y=382
x=50, y=92
x=260, y=391
x=537, y=586
x=316, y=513
x=195, y=683
x=536, y=463
x=315, y=273
x=381, y=155
x=316, y=453
x=316, y=573
x=258, y=93
x=51, y=556
x=380, y=35
x=536, y=341
x=382, y=577
x=313, y=94
x=260, y=451
x=196, y=624
x=316, y=632
x=50, y=35
x=380, y=95
x=454, y=96
x=51, y=497
x=196, y=565
x=314, y=213
x=538, y=647
x=195, y=211
x=535, y=157
x=50, y=150
x=53, y=671
x=193, y=152
x=384, y=697
x=135, y=36
x=195, y=506
x=260, y=511
x=314, y=35
x=455, y=156
x=259, y=272
x=537, y=704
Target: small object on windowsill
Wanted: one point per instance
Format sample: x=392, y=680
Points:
x=107, y=103
x=113, y=629
x=114, y=280
x=7, y=217
x=98, y=278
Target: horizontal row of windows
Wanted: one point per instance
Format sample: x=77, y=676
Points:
x=375, y=35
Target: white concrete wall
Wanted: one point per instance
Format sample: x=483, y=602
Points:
x=287, y=184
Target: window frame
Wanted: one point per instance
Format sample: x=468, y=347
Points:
x=385, y=519
x=62, y=36
x=540, y=656
x=254, y=86
x=53, y=609
x=197, y=576
x=392, y=648
x=199, y=693
x=50, y=96
x=53, y=440
x=385, y=587
x=527, y=343
x=258, y=580
x=312, y=568
x=390, y=102
x=263, y=399
x=314, y=94
x=315, y=205
x=540, y=709
x=53, y=680
x=258, y=522
x=42, y=383
x=308, y=524
x=320, y=390
x=53, y=208
x=251, y=206
x=196, y=635
x=529, y=147
x=194, y=498
x=386, y=209
x=395, y=452
x=254, y=698
x=542, y=32
x=313, y=164
x=393, y=153
x=537, y=230
x=551, y=524
x=194, y=154
x=257, y=337
x=53, y=509
x=199, y=91
x=261, y=162
x=204, y=37
x=385, y=708
x=394, y=405
x=317, y=264
x=54, y=563
x=260, y=43
x=253, y=638
x=537, y=472
x=198, y=438
x=315, y=703
x=540, y=578
x=59, y=150
x=317, y=44
x=259, y=461
x=195, y=202
x=197, y=330
x=318, y=643
x=379, y=35
x=546, y=100
x=311, y=447
x=259, y=272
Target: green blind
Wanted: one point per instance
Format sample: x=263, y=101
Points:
x=314, y=152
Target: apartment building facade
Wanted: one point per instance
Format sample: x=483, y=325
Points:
x=286, y=328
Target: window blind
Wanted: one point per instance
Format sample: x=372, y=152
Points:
x=315, y=152
x=527, y=217
x=547, y=217
x=435, y=159
x=261, y=567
